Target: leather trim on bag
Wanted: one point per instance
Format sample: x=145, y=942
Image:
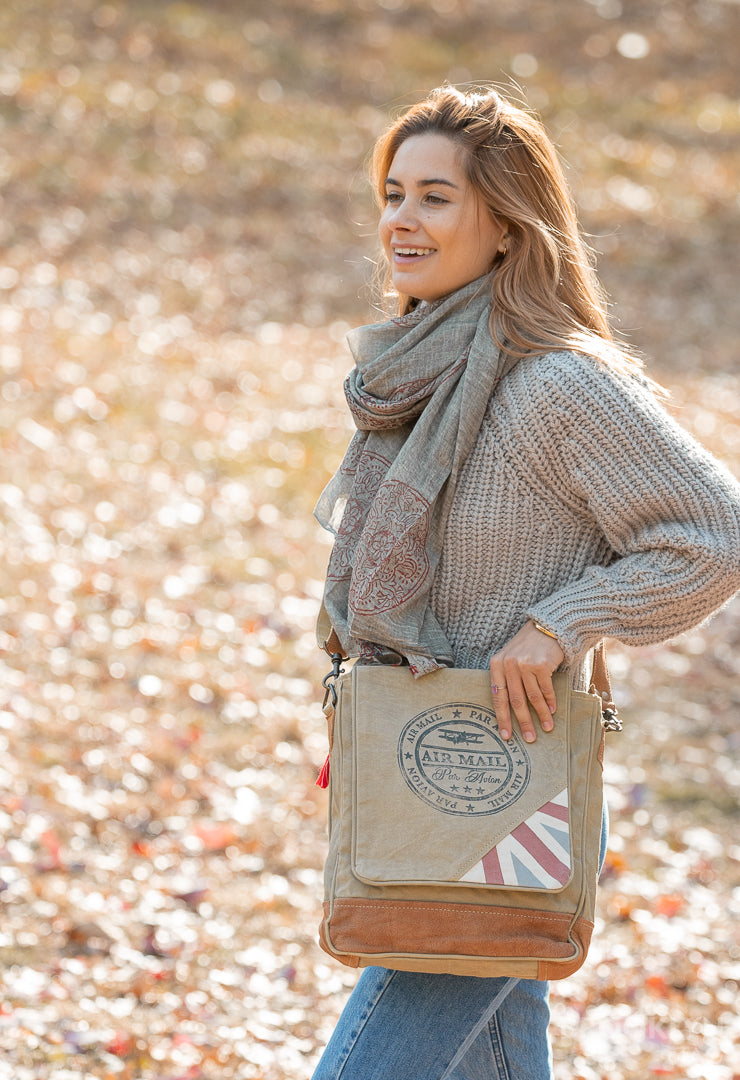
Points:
x=456, y=930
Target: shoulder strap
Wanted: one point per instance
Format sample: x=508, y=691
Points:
x=601, y=686
x=326, y=635
x=600, y=681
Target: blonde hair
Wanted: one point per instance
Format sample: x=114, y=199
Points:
x=545, y=291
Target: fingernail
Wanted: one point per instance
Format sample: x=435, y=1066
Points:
x=552, y=708
x=529, y=736
x=505, y=734
x=547, y=725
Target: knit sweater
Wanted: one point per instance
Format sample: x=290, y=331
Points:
x=583, y=505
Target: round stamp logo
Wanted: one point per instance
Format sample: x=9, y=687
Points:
x=453, y=758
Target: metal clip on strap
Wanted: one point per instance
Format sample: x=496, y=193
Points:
x=610, y=720
x=329, y=680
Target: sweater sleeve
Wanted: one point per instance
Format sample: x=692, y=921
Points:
x=668, y=510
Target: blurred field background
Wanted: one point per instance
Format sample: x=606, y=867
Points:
x=187, y=235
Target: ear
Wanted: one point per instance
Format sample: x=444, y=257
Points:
x=503, y=225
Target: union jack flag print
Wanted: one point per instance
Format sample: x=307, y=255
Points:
x=535, y=854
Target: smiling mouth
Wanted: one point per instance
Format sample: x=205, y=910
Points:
x=412, y=252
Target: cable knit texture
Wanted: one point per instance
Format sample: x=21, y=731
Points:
x=583, y=505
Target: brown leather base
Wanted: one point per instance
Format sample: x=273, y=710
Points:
x=356, y=930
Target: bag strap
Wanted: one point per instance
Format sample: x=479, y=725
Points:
x=600, y=680
x=327, y=635
x=601, y=686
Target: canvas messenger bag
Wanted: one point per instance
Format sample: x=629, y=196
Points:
x=451, y=849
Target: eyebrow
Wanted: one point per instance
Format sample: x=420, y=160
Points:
x=424, y=183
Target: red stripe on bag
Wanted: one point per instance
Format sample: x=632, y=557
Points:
x=555, y=810
x=542, y=854
x=492, y=868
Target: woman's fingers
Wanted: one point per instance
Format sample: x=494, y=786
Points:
x=514, y=695
x=500, y=697
x=539, y=689
x=521, y=677
x=518, y=699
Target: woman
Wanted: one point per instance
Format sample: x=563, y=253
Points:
x=514, y=494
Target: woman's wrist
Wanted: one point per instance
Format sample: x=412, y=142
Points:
x=543, y=629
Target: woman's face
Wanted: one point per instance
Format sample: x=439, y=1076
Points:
x=436, y=230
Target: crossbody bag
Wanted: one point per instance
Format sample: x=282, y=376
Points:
x=452, y=849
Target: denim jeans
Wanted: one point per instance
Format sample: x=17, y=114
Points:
x=403, y=1025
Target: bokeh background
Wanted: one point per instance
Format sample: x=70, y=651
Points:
x=187, y=235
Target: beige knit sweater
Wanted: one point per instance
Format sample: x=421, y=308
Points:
x=585, y=506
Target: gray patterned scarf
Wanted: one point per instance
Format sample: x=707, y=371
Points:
x=417, y=394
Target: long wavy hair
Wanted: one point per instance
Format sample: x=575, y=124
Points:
x=545, y=290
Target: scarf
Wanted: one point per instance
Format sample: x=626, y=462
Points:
x=418, y=393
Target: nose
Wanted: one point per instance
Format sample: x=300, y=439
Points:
x=403, y=216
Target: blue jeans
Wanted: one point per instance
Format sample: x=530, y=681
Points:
x=403, y=1025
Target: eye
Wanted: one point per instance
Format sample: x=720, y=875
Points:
x=436, y=200
x=393, y=197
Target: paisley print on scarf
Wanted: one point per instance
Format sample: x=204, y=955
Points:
x=391, y=561
x=352, y=458
x=369, y=470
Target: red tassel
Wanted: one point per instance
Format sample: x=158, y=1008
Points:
x=322, y=780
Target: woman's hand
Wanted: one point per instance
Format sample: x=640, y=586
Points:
x=521, y=675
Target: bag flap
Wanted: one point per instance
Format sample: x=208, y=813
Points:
x=440, y=797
